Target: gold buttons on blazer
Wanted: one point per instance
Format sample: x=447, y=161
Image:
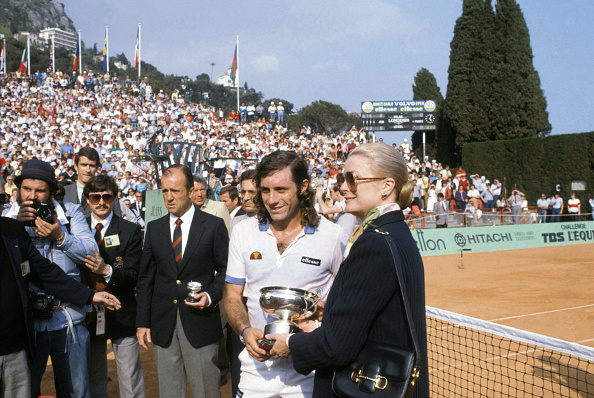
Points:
x=178, y=282
x=174, y=301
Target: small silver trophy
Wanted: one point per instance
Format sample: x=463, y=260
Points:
x=193, y=288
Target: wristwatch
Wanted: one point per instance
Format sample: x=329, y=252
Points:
x=61, y=239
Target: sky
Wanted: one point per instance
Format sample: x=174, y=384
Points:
x=341, y=51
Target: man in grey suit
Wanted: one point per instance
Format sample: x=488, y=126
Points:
x=209, y=206
x=185, y=245
x=440, y=212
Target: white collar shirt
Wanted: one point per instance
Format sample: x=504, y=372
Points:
x=105, y=223
x=185, y=226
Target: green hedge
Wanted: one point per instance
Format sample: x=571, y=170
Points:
x=536, y=165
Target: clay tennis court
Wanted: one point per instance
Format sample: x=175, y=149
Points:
x=547, y=291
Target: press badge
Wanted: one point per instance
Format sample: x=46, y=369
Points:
x=25, y=268
x=113, y=240
x=100, y=320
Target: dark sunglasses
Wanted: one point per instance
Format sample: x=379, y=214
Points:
x=95, y=198
x=352, y=180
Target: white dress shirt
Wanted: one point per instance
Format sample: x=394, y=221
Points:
x=185, y=226
x=105, y=223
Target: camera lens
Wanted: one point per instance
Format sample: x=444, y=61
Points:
x=46, y=212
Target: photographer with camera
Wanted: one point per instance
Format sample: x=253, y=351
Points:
x=61, y=234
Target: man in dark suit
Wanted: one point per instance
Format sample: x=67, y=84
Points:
x=115, y=269
x=186, y=245
x=20, y=264
x=230, y=196
x=86, y=163
x=138, y=206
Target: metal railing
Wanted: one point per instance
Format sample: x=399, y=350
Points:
x=486, y=218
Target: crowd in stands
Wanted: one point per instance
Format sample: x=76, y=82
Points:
x=52, y=116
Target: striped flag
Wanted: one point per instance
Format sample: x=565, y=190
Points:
x=2, y=57
x=23, y=65
x=105, y=60
x=76, y=56
x=234, y=67
x=52, y=56
x=137, y=50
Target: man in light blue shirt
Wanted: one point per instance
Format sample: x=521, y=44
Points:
x=542, y=204
x=61, y=332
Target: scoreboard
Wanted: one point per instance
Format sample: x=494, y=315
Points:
x=398, y=115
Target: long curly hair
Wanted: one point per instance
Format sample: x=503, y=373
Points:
x=277, y=161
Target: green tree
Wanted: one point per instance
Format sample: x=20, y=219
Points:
x=250, y=95
x=122, y=58
x=323, y=117
x=521, y=105
x=425, y=88
x=203, y=76
x=467, y=106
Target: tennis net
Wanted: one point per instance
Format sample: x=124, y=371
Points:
x=469, y=357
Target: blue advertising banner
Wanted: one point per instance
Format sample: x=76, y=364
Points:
x=435, y=242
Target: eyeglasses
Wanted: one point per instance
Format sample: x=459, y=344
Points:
x=352, y=180
x=95, y=198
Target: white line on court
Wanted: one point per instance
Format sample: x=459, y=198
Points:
x=542, y=313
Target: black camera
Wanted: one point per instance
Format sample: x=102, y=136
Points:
x=42, y=304
x=44, y=210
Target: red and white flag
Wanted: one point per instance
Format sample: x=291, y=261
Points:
x=23, y=65
x=2, y=58
x=137, y=50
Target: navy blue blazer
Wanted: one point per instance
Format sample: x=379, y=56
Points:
x=124, y=259
x=364, y=304
x=45, y=274
x=162, y=287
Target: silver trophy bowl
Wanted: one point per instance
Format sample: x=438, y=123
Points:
x=284, y=303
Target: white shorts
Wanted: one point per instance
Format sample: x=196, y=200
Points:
x=274, y=378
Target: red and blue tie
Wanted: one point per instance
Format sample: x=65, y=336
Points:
x=177, y=241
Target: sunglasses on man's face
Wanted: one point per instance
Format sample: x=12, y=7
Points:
x=95, y=198
x=352, y=180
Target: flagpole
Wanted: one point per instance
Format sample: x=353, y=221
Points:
x=107, y=47
x=4, y=56
x=139, y=47
x=79, y=55
x=28, y=56
x=237, y=73
x=53, y=56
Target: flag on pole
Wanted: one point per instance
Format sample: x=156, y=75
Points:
x=52, y=56
x=76, y=56
x=105, y=60
x=137, y=50
x=234, y=67
x=23, y=65
x=2, y=56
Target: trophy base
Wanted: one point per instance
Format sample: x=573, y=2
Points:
x=191, y=299
x=278, y=327
x=266, y=344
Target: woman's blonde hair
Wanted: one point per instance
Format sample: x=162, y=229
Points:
x=386, y=161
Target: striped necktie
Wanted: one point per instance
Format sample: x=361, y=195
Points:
x=177, y=241
x=83, y=202
x=98, y=237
